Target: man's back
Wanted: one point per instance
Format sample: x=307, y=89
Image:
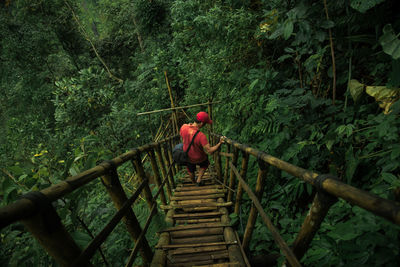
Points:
x=196, y=153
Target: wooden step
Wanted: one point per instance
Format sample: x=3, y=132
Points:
x=197, y=232
x=197, y=215
x=225, y=264
x=180, y=251
x=198, y=239
x=211, y=196
x=200, y=191
x=197, y=221
x=216, y=255
x=196, y=188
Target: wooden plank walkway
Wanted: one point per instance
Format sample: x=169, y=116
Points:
x=200, y=235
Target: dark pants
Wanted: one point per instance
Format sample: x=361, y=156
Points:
x=191, y=167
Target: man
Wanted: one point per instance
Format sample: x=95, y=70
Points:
x=197, y=153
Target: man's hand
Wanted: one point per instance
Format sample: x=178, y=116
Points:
x=222, y=139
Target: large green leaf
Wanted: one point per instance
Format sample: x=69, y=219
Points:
x=364, y=5
x=389, y=41
x=288, y=29
x=356, y=89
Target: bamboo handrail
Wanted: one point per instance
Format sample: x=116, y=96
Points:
x=25, y=208
x=385, y=208
x=183, y=107
x=275, y=234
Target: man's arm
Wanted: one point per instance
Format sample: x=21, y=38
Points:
x=211, y=149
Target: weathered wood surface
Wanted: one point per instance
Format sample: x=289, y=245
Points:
x=201, y=234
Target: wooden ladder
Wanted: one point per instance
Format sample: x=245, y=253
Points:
x=201, y=234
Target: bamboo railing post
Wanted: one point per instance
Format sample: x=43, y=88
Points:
x=157, y=177
x=163, y=170
x=45, y=225
x=226, y=171
x=232, y=178
x=243, y=172
x=175, y=167
x=262, y=172
x=211, y=130
x=218, y=165
x=318, y=210
x=118, y=196
x=168, y=162
x=137, y=163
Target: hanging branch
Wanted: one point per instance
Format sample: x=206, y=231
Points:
x=82, y=30
x=333, y=57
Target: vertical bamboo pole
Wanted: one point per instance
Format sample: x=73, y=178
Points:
x=243, y=172
x=174, y=117
x=163, y=170
x=228, y=149
x=218, y=166
x=171, y=145
x=232, y=178
x=118, y=196
x=48, y=230
x=262, y=172
x=168, y=162
x=157, y=177
x=318, y=210
x=137, y=163
x=210, y=130
x=160, y=255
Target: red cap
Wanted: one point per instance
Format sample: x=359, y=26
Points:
x=203, y=117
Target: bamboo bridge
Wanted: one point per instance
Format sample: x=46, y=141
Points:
x=199, y=231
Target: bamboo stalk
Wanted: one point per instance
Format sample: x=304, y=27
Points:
x=318, y=210
x=137, y=163
x=168, y=162
x=141, y=237
x=243, y=172
x=48, y=230
x=262, y=173
x=176, y=130
x=226, y=172
x=176, y=108
x=163, y=170
x=124, y=210
x=218, y=165
x=278, y=239
x=232, y=174
x=157, y=177
x=224, y=154
x=119, y=198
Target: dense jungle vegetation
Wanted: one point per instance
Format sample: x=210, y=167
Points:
x=313, y=82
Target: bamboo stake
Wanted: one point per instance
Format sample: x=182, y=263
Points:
x=318, y=210
x=262, y=173
x=211, y=117
x=218, y=165
x=232, y=175
x=101, y=237
x=157, y=177
x=243, y=172
x=176, y=108
x=278, y=239
x=163, y=170
x=142, y=237
x=176, y=130
x=137, y=163
x=48, y=230
x=118, y=196
x=228, y=148
x=168, y=162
